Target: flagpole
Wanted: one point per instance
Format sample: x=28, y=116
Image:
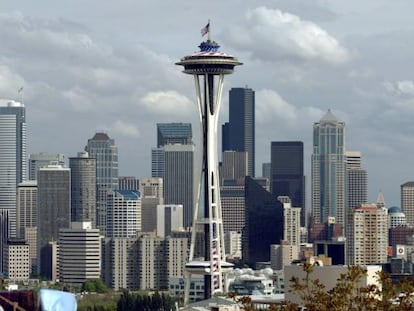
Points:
x=208, y=34
x=20, y=91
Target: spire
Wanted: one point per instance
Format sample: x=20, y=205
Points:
x=329, y=117
x=380, y=199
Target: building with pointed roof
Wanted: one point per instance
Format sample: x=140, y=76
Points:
x=328, y=170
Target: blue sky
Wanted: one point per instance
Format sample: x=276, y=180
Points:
x=89, y=65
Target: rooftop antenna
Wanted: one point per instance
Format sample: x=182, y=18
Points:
x=20, y=92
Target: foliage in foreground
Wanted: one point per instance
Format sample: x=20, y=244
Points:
x=347, y=295
x=155, y=302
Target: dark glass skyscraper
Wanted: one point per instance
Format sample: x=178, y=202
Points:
x=174, y=133
x=239, y=133
x=286, y=173
x=263, y=224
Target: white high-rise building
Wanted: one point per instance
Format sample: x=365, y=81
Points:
x=328, y=170
x=17, y=265
x=169, y=218
x=12, y=156
x=367, y=235
x=79, y=253
x=123, y=214
x=356, y=181
x=291, y=227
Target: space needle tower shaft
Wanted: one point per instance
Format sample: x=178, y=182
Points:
x=208, y=67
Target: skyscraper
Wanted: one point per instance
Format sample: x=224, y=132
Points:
x=42, y=159
x=264, y=222
x=152, y=194
x=173, y=161
x=79, y=253
x=287, y=173
x=179, y=178
x=174, y=133
x=53, y=210
x=367, y=235
x=12, y=156
x=239, y=132
x=356, y=181
x=123, y=214
x=234, y=165
x=328, y=170
x=83, y=188
x=27, y=217
x=104, y=150
x=407, y=201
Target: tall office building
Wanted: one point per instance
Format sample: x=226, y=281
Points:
x=234, y=165
x=174, y=133
x=26, y=206
x=367, y=235
x=83, y=188
x=152, y=194
x=123, y=214
x=356, y=181
x=266, y=170
x=27, y=217
x=264, y=222
x=79, y=253
x=104, y=150
x=12, y=156
x=407, y=201
x=53, y=211
x=328, y=170
x=128, y=183
x=287, y=173
x=42, y=159
x=178, y=176
x=173, y=161
x=233, y=205
x=239, y=133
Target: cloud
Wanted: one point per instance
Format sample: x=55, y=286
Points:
x=167, y=103
x=10, y=82
x=124, y=128
x=405, y=87
x=271, y=108
x=272, y=35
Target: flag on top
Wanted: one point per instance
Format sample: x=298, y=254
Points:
x=205, y=29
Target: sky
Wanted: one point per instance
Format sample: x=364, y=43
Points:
x=93, y=65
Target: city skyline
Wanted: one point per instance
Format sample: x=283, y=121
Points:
x=109, y=68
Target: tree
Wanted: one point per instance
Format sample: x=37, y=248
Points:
x=347, y=295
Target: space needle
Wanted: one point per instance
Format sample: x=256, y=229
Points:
x=208, y=67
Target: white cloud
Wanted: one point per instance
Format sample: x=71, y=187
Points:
x=124, y=128
x=271, y=108
x=404, y=87
x=168, y=103
x=270, y=35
